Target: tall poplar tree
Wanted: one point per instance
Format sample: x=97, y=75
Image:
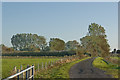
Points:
x=95, y=42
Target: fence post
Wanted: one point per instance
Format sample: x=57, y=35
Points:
x=27, y=73
x=42, y=65
x=21, y=68
x=34, y=68
x=51, y=64
x=33, y=72
x=18, y=75
x=46, y=65
x=60, y=60
x=38, y=66
x=14, y=70
x=28, y=70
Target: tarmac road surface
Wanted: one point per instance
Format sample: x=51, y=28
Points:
x=85, y=69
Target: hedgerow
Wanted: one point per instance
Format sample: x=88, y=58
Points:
x=63, y=53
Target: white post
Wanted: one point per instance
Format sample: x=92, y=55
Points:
x=46, y=65
x=38, y=66
x=42, y=65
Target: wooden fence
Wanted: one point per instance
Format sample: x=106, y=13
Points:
x=23, y=74
x=28, y=73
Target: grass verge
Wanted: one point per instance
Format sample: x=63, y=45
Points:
x=115, y=58
x=110, y=68
x=58, y=71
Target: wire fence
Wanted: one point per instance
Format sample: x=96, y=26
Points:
x=29, y=72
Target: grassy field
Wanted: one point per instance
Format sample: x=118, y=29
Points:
x=9, y=63
x=115, y=57
x=110, y=68
x=59, y=71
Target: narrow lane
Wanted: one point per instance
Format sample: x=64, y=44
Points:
x=84, y=69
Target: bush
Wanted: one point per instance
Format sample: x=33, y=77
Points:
x=63, y=53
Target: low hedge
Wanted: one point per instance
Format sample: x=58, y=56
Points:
x=63, y=53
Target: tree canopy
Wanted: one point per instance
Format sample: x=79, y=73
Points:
x=71, y=45
x=56, y=44
x=5, y=49
x=28, y=42
x=96, y=30
x=95, y=42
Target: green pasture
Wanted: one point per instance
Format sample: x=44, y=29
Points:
x=110, y=68
x=115, y=58
x=9, y=63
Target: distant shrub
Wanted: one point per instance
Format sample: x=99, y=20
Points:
x=6, y=49
x=118, y=51
x=63, y=53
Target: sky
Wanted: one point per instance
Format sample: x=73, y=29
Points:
x=0, y=22
x=119, y=25
x=64, y=20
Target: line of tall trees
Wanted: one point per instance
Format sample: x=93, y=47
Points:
x=94, y=42
x=33, y=42
x=28, y=42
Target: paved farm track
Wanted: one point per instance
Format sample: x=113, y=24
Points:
x=84, y=69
